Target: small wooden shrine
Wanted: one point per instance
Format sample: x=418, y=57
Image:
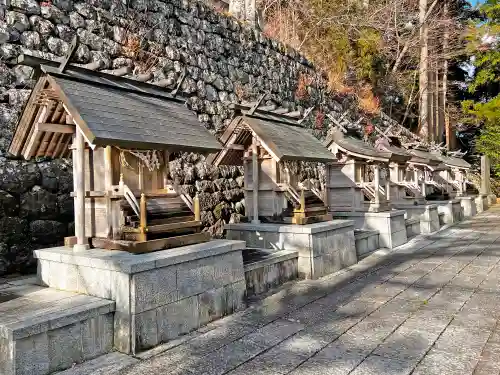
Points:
x=353, y=181
x=121, y=134
x=455, y=176
x=271, y=145
x=397, y=188
x=421, y=172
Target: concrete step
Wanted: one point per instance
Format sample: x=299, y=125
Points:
x=43, y=330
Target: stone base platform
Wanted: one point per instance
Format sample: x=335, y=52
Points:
x=452, y=210
x=390, y=225
x=322, y=248
x=412, y=227
x=267, y=269
x=482, y=203
x=469, y=207
x=159, y=296
x=367, y=241
x=492, y=199
x=426, y=213
x=43, y=330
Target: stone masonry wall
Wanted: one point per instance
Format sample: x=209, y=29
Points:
x=226, y=61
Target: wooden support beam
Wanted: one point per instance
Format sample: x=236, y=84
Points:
x=35, y=137
x=196, y=204
x=79, y=187
x=255, y=182
x=143, y=218
x=56, y=128
x=235, y=147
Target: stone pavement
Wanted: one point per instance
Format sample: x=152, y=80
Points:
x=429, y=307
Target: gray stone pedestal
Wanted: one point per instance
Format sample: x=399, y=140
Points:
x=323, y=248
x=481, y=203
x=390, y=225
x=427, y=213
x=468, y=206
x=451, y=209
x=159, y=296
x=492, y=199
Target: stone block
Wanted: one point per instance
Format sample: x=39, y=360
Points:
x=305, y=270
x=300, y=242
x=43, y=271
x=65, y=347
x=97, y=336
x=154, y=288
x=122, y=328
x=362, y=246
x=94, y=283
x=216, y=303
x=228, y=269
x=6, y=356
x=145, y=330
x=120, y=290
x=31, y=355
x=392, y=240
x=177, y=318
x=347, y=256
x=63, y=276
x=195, y=277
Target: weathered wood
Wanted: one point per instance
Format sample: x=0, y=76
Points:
x=55, y=128
x=163, y=228
x=79, y=181
x=143, y=218
x=311, y=219
x=255, y=180
x=150, y=246
x=35, y=136
x=196, y=204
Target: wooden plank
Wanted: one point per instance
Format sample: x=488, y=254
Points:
x=56, y=128
x=32, y=144
x=312, y=219
x=56, y=115
x=170, y=220
x=52, y=144
x=162, y=228
x=150, y=246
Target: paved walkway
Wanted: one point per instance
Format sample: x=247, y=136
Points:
x=431, y=307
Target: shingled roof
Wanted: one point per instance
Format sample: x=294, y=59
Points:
x=283, y=137
x=423, y=157
x=454, y=162
x=355, y=147
x=110, y=111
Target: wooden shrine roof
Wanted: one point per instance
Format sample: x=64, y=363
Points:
x=398, y=154
x=424, y=157
x=282, y=136
x=356, y=147
x=109, y=110
x=454, y=162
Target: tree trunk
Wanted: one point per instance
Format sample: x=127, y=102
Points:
x=244, y=10
x=424, y=73
x=444, y=95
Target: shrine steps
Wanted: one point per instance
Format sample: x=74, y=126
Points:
x=267, y=269
x=43, y=330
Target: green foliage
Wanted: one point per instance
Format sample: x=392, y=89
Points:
x=484, y=110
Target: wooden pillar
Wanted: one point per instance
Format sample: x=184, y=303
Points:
x=108, y=182
x=255, y=182
x=79, y=188
x=376, y=180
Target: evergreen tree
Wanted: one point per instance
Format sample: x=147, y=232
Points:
x=484, y=109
